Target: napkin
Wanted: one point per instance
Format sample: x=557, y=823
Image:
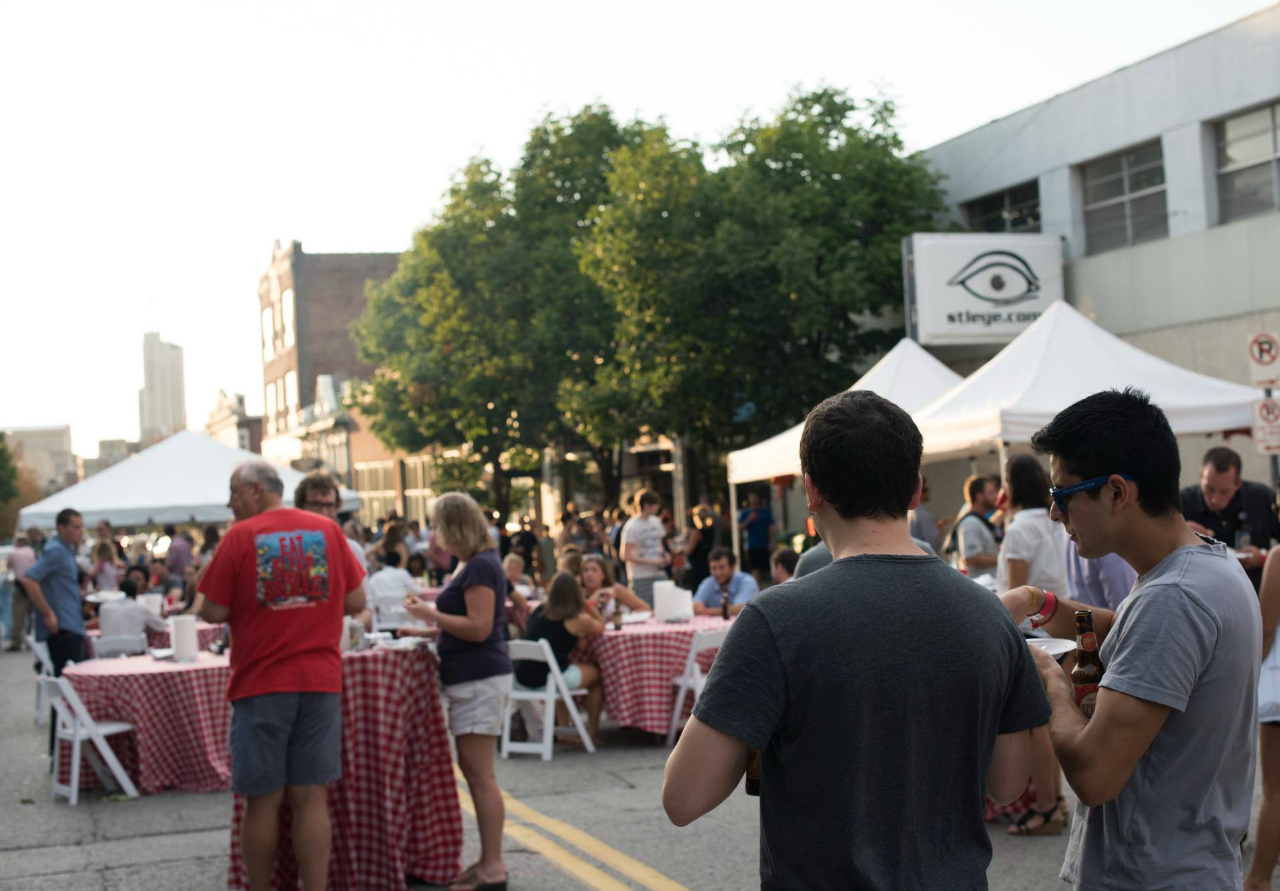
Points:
x=182, y=632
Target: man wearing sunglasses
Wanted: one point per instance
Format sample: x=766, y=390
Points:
x=1164, y=768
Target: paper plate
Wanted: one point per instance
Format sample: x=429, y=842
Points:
x=1054, y=646
x=104, y=596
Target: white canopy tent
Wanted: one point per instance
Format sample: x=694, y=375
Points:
x=907, y=375
x=182, y=479
x=1058, y=360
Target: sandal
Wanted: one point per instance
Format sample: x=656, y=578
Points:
x=1048, y=825
x=1062, y=813
x=470, y=881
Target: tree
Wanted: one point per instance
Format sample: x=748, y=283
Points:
x=8, y=473
x=26, y=491
x=447, y=334
x=748, y=293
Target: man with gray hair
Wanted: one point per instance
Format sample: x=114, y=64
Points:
x=283, y=578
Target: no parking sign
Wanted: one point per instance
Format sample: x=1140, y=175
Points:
x=1266, y=426
x=1264, y=360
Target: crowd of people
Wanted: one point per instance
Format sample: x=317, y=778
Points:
x=1183, y=604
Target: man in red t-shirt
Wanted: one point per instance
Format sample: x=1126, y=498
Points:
x=284, y=579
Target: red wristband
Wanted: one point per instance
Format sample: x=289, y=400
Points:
x=1047, y=611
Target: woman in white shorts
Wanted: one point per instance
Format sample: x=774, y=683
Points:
x=474, y=669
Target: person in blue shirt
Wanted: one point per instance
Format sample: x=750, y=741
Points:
x=53, y=585
x=758, y=521
x=740, y=586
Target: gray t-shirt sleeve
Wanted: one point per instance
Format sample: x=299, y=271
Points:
x=1025, y=703
x=1162, y=643
x=974, y=538
x=746, y=692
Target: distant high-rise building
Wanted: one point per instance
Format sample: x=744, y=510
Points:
x=162, y=401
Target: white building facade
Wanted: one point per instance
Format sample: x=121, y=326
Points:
x=162, y=401
x=1163, y=181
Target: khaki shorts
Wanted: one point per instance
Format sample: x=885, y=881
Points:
x=478, y=706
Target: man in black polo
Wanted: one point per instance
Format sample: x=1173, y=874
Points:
x=1232, y=510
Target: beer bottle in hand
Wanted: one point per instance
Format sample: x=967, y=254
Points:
x=724, y=602
x=1087, y=674
x=753, y=772
x=617, y=616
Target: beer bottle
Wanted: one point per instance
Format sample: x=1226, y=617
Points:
x=1087, y=674
x=724, y=602
x=617, y=616
x=753, y=772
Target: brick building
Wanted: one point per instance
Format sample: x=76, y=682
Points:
x=229, y=423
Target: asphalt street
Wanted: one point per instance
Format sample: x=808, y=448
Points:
x=580, y=821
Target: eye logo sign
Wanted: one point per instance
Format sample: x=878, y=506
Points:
x=1001, y=278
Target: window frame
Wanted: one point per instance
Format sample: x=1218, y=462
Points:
x=1126, y=197
x=1271, y=161
x=1007, y=205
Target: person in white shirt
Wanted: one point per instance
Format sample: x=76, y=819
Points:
x=1034, y=553
x=127, y=617
x=642, y=548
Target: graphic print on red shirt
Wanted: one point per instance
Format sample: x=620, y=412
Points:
x=284, y=576
x=293, y=569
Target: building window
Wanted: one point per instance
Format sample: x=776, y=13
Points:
x=1249, y=164
x=376, y=483
x=1124, y=199
x=1013, y=210
x=271, y=408
x=268, y=335
x=286, y=317
x=291, y=397
x=417, y=487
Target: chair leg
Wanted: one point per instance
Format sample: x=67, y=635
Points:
x=54, y=785
x=548, y=724
x=506, y=729
x=73, y=794
x=574, y=715
x=675, y=712
x=116, y=768
x=41, y=705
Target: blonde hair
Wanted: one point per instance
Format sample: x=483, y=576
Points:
x=513, y=560
x=459, y=525
x=564, y=598
x=605, y=567
x=570, y=562
x=103, y=551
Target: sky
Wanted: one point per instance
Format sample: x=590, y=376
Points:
x=152, y=152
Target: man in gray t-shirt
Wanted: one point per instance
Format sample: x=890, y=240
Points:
x=1163, y=767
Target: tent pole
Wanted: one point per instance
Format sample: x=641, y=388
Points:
x=1002, y=449
x=733, y=522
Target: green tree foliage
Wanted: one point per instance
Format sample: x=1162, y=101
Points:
x=745, y=292
x=8, y=473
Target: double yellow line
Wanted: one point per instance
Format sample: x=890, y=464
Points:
x=566, y=860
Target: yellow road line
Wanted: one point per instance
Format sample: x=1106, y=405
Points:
x=564, y=859
x=633, y=869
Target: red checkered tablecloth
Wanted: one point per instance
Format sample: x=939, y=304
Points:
x=395, y=811
x=206, y=634
x=638, y=663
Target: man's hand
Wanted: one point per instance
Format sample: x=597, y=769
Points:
x=1251, y=557
x=1196, y=527
x=50, y=621
x=1051, y=673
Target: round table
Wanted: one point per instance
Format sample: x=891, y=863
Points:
x=638, y=663
x=206, y=634
x=395, y=812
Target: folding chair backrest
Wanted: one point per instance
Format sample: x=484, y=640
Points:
x=530, y=651
x=702, y=641
x=41, y=650
x=53, y=691
x=120, y=645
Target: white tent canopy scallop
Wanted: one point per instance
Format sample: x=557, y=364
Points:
x=907, y=375
x=1062, y=358
x=183, y=479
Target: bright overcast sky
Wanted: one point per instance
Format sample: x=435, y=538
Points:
x=150, y=153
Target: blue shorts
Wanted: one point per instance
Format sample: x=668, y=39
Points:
x=285, y=739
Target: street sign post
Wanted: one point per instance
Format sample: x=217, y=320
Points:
x=1264, y=371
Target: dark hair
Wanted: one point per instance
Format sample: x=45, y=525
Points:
x=647, y=496
x=722, y=554
x=564, y=598
x=786, y=558
x=1028, y=483
x=65, y=516
x=209, y=540
x=863, y=454
x=422, y=562
x=129, y=587
x=391, y=558
x=169, y=530
x=314, y=484
x=1118, y=431
x=974, y=486
x=141, y=569
x=1222, y=459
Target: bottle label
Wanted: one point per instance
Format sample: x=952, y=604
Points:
x=1086, y=698
x=1088, y=642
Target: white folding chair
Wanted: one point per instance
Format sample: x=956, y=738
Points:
x=74, y=725
x=119, y=645
x=389, y=612
x=41, y=651
x=692, y=680
x=555, y=689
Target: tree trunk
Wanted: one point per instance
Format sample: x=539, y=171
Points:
x=501, y=487
x=610, y=481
